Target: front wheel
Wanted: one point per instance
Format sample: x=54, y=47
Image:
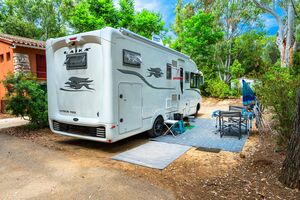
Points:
x=157, y=129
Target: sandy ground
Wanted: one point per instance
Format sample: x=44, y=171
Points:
x=251, y=174
x=30, y=171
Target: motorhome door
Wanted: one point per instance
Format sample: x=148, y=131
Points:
x=130, y=107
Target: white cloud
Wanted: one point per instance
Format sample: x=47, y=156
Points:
x=148, y=4
x=269, y=21
x=154, y=5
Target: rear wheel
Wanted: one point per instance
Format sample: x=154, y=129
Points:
x=157, y=129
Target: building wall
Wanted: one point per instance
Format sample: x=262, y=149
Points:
x=32, y=56
x=8, y=65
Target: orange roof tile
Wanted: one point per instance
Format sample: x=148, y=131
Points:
x=22, y=41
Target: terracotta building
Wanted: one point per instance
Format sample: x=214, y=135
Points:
x=20, y=54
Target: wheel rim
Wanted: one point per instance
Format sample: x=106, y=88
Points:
x=158, y=127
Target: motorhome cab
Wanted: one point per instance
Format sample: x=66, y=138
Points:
x=109, y=84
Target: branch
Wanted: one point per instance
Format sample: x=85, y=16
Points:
x=271, y=11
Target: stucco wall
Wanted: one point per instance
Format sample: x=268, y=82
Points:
x=8, y=66
x=5, y=66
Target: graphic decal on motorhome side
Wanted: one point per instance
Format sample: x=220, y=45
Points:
x=143, y=79
x=156, y=72
x=76, y=83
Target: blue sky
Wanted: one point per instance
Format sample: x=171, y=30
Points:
x=166, y=9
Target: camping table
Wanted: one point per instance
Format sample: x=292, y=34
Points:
x=247, y=116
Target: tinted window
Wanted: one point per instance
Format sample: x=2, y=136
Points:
x=76, y=61
x=131, y=58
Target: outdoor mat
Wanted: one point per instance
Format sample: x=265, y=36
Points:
x=204, y=135
x=156, y=155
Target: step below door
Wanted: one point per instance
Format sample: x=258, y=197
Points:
x=130, y=107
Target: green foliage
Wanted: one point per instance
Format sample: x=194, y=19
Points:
x=248, y=50
x=236, y=69
x=146, y=23
x=32, y=18
x=198, y=38
x=25, y=98
x=126, y=13
x=219, y=89
x=87, y=15
x=278, y=92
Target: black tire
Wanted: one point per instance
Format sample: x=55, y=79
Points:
x=157, y=129
x=197, y=110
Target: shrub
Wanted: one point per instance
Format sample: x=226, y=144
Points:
x=278, y=92
x=219, y=89
x=25, y=97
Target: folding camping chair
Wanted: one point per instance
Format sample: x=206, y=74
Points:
x=173, y=127
x=230, y=121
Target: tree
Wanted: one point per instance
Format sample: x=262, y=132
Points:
x=126, y=13
x=249, y=49
x=87, y=15
x=286, y=33
x=32, y=18
x=235, y=18
x=200, y=34
x=147, y=23
x=290, y=173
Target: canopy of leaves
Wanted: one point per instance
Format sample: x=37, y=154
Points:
x=198, y=37
x=38, y=19
x=87, y=15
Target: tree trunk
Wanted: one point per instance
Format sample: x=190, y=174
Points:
x=290, y=173
x=290, y=36
x=285, y=39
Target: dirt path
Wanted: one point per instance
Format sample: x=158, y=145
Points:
x=30, y=171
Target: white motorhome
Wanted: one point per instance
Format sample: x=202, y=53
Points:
x=110, y=84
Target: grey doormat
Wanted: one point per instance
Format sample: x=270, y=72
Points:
x=156, y=155
x=204, y=135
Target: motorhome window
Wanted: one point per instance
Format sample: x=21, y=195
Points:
x=169, y=71
x=131, y=59
x=76, y=61
x=194, y=80
x=187, y=77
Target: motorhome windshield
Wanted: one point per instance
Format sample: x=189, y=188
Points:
x=76, y=61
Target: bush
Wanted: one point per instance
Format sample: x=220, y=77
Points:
x=25, y=97
x=219, y=89
x=278, y=92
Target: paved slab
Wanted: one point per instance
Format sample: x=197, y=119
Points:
x=12, y=122
x=156, y=155
x=31, y=171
